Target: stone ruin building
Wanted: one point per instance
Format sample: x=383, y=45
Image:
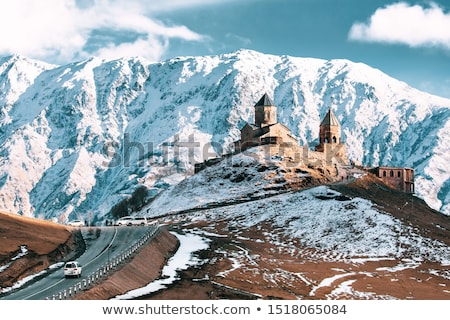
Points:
x=398, y=178
x=331, y=151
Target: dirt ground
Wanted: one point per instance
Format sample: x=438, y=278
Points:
x=270, y=272
x=286, y=272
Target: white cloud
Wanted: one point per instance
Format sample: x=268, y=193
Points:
x=59, y=30
x=413, y=25
x=150, y=48
x=167, y=5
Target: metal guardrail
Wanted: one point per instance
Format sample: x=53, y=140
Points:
x=104, y=270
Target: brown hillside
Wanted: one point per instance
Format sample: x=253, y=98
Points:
x=45, y=241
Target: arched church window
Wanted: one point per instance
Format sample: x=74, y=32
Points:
x=384, y=173
x=399, y=174
x=391, y=173
x=334, y=139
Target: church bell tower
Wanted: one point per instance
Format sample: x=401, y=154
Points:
x=330, y=131
x=265, y=112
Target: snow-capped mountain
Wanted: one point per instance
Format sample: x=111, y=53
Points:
x=75, y=139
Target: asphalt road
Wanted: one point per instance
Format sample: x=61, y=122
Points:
x=102, y=244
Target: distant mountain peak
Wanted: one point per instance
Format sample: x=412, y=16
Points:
x=78, y=138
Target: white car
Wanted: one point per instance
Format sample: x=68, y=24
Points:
x=76, y=223
x=139, y=221
x=131, y=221
x=72, y=269
x=124, y=221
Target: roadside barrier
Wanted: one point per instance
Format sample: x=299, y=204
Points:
x=104, y=270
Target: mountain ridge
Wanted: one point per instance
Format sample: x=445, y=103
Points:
x=67, y=131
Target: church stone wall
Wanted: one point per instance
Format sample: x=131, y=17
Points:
x=281, y=132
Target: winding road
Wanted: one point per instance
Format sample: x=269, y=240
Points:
x=102, y=244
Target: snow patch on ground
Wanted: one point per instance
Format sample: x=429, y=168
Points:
x=327, y=282
x=22, y=253
x=183, y=259
x=25, y=280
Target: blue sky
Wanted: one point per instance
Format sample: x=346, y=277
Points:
x=409, y=40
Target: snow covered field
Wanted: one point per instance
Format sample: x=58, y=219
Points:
x=315, y=243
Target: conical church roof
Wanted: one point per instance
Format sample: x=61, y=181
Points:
x=264, y=101
x=330, y=119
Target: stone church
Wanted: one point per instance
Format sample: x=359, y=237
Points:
x=266, y=130
x=330, y=153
